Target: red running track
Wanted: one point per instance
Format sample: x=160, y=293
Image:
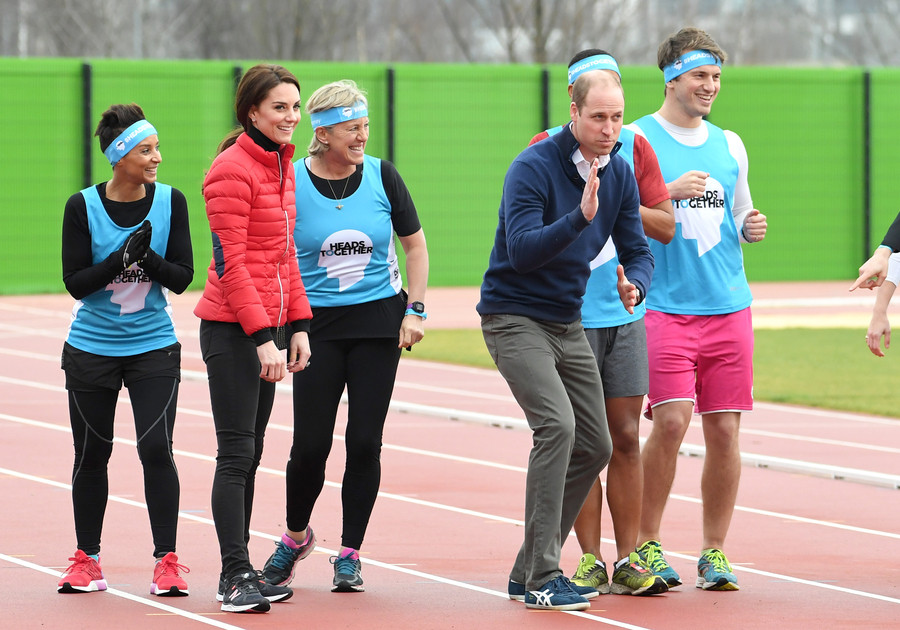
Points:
x=810, y=551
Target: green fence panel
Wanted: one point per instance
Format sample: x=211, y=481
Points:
x=885, y=90
x=457, y=128
x=40, y=166
x=806, y=166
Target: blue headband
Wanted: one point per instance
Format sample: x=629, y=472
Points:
x=688, y=61
x=595, y=62
x=127, y=140
x=335, y=115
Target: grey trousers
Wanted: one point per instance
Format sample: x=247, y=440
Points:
x=553, y=375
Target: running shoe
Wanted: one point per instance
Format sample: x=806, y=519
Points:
x=347, y=574
x=714, y=572
x=242, y=594
x=279, y=568
x=556, y=594
x=84, y=575
x=271, y=592
x=631, y=578
x=516, y=590
x=167, y=580
x=652, y=558
x=591, y=573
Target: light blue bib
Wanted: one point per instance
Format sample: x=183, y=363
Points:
x=347, y=254
x=701, y=271
x=132, y=315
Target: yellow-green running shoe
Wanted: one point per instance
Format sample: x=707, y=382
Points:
x=652, y=558
x=592, y=573
x=714, y=572
x=633, y=579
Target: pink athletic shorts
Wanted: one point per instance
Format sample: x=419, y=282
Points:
x=707, y=359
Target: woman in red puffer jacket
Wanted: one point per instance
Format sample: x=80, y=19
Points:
x=254, y=306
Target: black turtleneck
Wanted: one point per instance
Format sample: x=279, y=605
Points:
x=262, y=139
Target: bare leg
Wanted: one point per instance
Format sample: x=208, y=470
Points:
x=625, y=476
x=587, y=524
x=659, y=457
x=721, y=475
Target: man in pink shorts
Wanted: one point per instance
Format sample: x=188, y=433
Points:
x=699, y=328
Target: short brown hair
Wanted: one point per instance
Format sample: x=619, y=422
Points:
x=688, y=38
x=586, y=81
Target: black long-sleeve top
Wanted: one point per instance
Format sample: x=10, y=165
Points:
x=82, y=277
x=892, y=238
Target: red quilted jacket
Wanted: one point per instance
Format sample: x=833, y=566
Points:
x=253, y=277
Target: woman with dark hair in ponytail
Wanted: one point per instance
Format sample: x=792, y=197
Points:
x=253, y=308
x=125, y=244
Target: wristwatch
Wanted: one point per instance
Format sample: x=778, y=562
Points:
x=417, y=309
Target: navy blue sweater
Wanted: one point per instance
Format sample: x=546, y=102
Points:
x=540, y=262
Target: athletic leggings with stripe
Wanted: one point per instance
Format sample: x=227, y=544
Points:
x=368, y=368
x=153, y=401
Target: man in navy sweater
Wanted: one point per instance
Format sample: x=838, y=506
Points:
x=562, y=199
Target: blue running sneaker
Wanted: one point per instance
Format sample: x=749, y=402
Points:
x=714, y=572
x=557, y=594
x=651, y=554
x=586, y=591
x=279, y=568
x=516, y=591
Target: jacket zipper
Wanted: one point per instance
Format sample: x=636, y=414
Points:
x=287, y=226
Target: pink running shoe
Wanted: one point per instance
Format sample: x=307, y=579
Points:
x=167, y=580
x=84, y=575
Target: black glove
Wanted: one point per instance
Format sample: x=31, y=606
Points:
x=136, y=245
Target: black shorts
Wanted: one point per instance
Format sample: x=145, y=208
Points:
x=86, y=372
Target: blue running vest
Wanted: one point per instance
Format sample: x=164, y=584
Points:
x=132, y=315
x=701, y=271
x=346, y=256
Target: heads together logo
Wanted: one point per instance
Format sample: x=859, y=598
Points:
x=335, y=115
x=701, y=217
x=345, y=256
x=357, y=110
x=594, y=62
x=127, y=140
x=688, y=61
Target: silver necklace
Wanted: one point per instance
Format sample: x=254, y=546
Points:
x=346, y=181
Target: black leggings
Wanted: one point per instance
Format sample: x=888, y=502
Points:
x=241, y=405
x=91, y=414
x=368, y=367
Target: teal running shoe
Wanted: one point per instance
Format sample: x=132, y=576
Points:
x=714, y=572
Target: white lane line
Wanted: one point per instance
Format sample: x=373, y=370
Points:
x=429, y=576
x=207, y=521
x=125, y=595
x=430, y=365
x=468, y=460
x=816, y=440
